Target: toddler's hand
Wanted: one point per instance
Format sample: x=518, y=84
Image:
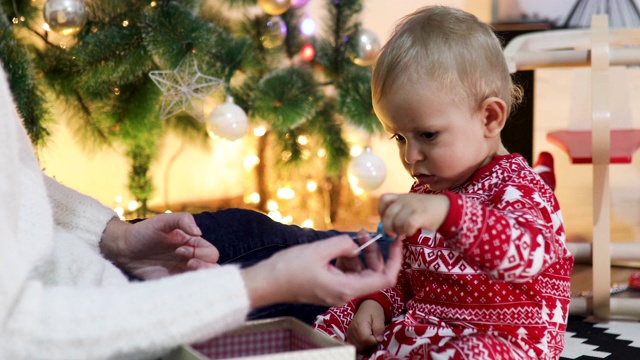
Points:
x=407, y=213
x=367, y=327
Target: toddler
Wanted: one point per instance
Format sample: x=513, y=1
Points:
x=486, y=271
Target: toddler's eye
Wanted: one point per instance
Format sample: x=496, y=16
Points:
x=429, y=135
x=397, y=137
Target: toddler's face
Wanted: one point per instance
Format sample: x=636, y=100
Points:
x=440, y=143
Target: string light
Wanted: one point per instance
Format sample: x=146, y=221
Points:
x=120, y=211
x=250, y=161
x=308, y=52
x=252, y=198
x=272, y=205
x=303, y=140
x=285, y=193
x=312, y=186
x=307, y=224
x=132, y=205
x=260, y=131
x=308, y=26
x=275, y=216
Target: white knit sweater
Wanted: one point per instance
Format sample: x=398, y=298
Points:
x=60, y=299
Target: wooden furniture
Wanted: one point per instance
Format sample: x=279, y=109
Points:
x=598, y=48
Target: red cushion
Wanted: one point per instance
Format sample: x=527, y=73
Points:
x=577, y=144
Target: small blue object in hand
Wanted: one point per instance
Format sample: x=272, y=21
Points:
x=377, y=236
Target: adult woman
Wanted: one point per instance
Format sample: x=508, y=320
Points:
x=63, y=256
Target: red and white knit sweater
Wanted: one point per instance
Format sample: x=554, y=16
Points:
x=498, y=266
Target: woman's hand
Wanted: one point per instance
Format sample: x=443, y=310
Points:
x=162, y=245
x=304, y=274
x=372, y=256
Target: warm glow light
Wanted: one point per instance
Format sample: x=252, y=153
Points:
x=356, y=150
x=250, y=161
x=308, y=26
x=312, y=185
x=118, y=199
x=287, y=219
x=254, y=198
x=353, y=181
x=286, y=155
x=357, y=191
x=259, y=131
x=303, y=140
x=46, y=27
x=285, y=193
x=322, y=153
x=272, y=205
x=119, y=210
x=308, y=52
x=307, y=224
x=168, y=212
x=275, y=216
x=125, y=23
x=132, y=205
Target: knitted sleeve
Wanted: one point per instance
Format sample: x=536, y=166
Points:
x=77, y=213
x=514, y=238
x=140, y=320
x=393, y=299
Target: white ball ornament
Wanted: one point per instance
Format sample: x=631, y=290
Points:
x=367, y=171
x=227, y=121
x=66, y=17
x=367, y=48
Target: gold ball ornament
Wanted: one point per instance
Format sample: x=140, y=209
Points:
x=66, y=17
x=274, y=7
x=275, y=31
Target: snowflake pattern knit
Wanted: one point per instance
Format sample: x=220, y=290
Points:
x=491, y=283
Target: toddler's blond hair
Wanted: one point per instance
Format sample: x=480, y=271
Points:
x=451, y=51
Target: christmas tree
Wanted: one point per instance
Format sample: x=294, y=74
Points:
x=129, y=71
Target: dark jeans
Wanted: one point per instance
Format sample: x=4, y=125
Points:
x=245, y=237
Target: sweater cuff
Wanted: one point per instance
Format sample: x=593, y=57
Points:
x=378, y=297
x=451, y=224
x=78, y=213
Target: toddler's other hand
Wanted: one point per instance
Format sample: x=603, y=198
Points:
x=367, y=327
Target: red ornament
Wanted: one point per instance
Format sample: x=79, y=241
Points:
x=308, y=52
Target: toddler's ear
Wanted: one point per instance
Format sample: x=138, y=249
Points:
x=494, y=112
